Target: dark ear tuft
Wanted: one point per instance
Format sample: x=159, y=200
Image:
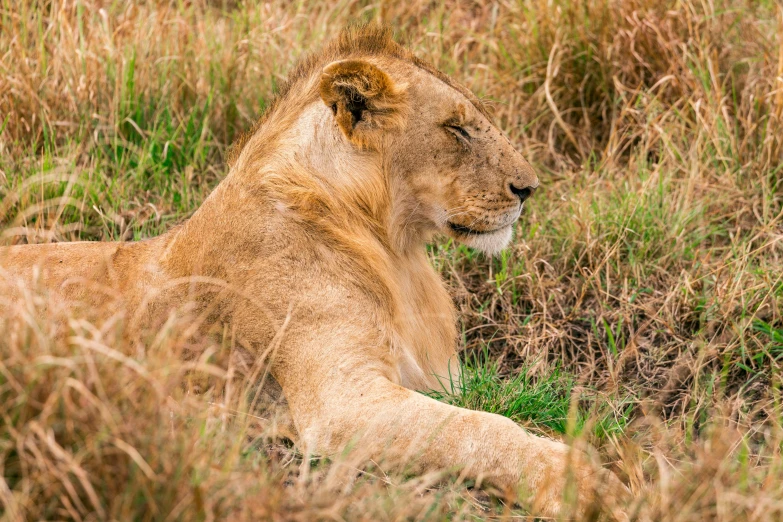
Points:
x=364, y=100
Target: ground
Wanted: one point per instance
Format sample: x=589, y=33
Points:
x=638, y=309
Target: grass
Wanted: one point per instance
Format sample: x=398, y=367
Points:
x=639, y=307
x=542, y=402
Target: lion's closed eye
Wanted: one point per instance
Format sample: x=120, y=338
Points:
x=459, y=132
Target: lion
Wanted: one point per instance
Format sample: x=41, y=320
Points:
x=314, y=242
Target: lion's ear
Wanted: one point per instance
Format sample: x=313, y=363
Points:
x=365, y=102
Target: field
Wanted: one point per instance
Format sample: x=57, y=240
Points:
x=639, y=309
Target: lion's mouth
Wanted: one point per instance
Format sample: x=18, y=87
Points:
x=467, y=231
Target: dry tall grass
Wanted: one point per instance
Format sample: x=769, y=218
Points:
x=650, y=266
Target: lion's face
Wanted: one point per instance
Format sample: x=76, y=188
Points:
x=464, y=173
x=458, y=174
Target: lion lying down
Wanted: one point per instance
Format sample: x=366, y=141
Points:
x=316, y=238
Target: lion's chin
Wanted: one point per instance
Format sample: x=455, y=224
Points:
x=491, y=243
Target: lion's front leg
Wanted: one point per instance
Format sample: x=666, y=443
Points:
x=404, y=428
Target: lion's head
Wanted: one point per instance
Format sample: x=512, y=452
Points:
x=448, y=168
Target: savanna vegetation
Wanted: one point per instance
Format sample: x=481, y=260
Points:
x=640, y=308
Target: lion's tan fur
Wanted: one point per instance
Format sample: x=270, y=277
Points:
x=312, y=250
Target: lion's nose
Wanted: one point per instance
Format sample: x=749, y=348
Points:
x=521, y=193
